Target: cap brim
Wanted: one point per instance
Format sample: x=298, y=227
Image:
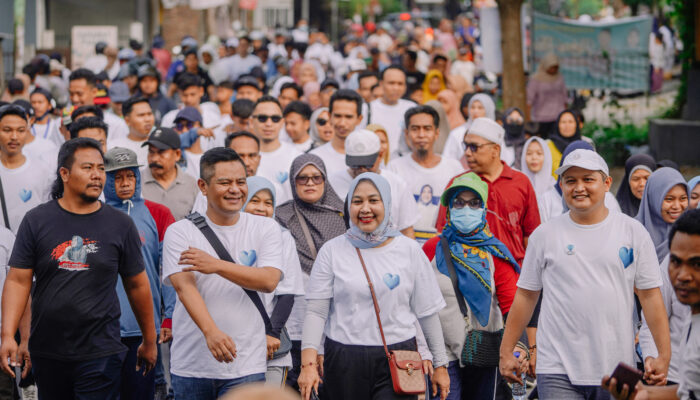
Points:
x=160, y=145
x=583, y=165
x=361, y=161
x=117, y=168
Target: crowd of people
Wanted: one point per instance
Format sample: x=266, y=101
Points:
x=179, y=228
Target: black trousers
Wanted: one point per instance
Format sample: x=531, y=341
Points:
x=360, y=372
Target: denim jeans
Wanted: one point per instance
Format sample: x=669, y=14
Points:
x=559, y=387
x=478, y=383
x=186, y=388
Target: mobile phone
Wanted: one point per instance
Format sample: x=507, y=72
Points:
x=314, y=395
x=624, y=374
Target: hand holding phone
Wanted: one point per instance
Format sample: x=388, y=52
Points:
x=626, y=375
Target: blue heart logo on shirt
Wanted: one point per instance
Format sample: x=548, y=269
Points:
x=282, y=176
x=626, y=256
x=570, y=249
x=25, y=195
x=391, y=280
x=248, y=258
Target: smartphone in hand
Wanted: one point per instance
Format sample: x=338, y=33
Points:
x=624, y=374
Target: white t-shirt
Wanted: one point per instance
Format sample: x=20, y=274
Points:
x=426, y=185
x=333, y=160
x=551, y=204
x=253, y=241
x=304, y=146
x=193, y=164
x=404, y=284
x=7, y=242
x=274, y=166
x=291, y=283
x=391, y=118
x=211, y=118
x=42, y=150
x=25, y=188
x=49, y=131
x=404, y=212
x=141, y=151
x=453, y=145
x=116, y=126
x=690, y=365
x=588, y=274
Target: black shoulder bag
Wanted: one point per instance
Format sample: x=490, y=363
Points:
x=481, y=348
x=285, y=341
x=4, y=207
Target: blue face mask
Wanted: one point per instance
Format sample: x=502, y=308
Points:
x=466, y=219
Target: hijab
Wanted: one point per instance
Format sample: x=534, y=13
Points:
x=691, y=185
x=547, y=62
x=313, y=131
x=660, y=182
x=575, y=145
x=385, y=230
x=324, y=217
x=469, y=251
x=560, y=141
x=515, y=133
x=444, y=126
x=488, y=104
x=277, y=86
x=628, y=203
x=427, y=95
x=451, y=106
x=255, y=185
x=542, y=180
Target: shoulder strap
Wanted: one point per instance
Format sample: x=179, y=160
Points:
x=4, y=207
x=307, y=233
x=447, y=255
x=374, y=300
x=208, y=233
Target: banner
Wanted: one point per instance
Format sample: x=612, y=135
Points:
x=596, y=55
x=84, y=38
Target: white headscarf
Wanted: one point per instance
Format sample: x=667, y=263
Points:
x=543, y=180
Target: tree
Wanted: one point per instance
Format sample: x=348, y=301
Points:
x=511, y=47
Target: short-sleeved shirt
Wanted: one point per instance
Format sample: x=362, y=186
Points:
x=179, y=197
x=690, y=365
x=403, y=280
x=76, y=259
x=588, y=274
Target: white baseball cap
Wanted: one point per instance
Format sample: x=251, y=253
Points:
x=586, y=159
x=487, y=129
x=362, y=148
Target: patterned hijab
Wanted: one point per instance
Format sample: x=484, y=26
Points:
x=324, y=217
x=385, y=230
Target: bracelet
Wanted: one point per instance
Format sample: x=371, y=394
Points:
x=311, y=364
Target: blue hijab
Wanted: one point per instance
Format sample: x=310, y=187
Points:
x=255, y=185
x=385, y=230
x=469, y=251
x=659, y=183
x=691, y=185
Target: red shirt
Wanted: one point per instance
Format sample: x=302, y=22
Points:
x=504, y=275
x=513, y=213
x=162, y=215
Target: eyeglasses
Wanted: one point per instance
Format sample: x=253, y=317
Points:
x=304, y=180
x=473, y=146
x=182, y=125
x=263, y=118
x=473, y=203
x=321, y=121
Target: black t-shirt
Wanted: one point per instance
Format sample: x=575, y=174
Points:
x=76, y=259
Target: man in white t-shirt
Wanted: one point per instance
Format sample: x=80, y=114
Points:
x=83, y=89
x=139, y=117
x=275, y=156
x=35, y=147
x=296, y=124
x=684, y=278
x=346, y=115
x=218, y=334
x=26, y=183
x=388, y=110
x=362, y=149
x=426, y=173
x=590, y=262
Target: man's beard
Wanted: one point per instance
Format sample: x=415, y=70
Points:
x=267, y=141
x=422, y=153
x=88, y=199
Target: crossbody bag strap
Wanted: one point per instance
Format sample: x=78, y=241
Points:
x=307, y=233
x=223, y=254
x=374, y=300
x=4, y=207
x=447, y=255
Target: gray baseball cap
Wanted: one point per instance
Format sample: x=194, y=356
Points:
x=119, y=158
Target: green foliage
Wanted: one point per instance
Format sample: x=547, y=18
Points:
x=682, y=17
x=613, y=142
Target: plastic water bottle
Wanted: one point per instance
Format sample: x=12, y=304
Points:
x=519, y=391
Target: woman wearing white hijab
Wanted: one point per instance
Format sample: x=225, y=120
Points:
x=536, y=163
x=480, y=105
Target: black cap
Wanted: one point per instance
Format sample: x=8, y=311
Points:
x=164, y=139
x=246, y=80
x=329, y=82
x=147, y=70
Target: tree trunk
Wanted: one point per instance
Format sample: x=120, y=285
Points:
x=511, y=47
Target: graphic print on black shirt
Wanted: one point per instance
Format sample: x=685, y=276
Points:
x=72, y=255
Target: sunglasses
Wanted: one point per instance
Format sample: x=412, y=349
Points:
x=184, y=125
x=321, y=121
x=263, y=118
x=473, y=146
x=473, y=203
x=303, y=180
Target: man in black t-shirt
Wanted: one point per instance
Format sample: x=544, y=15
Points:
x=76, y=247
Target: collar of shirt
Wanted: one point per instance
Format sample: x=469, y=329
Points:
x=507, y=173
x=147, y=177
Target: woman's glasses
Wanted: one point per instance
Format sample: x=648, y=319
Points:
x=304, y=179
x=473, y=203
x=321, y=121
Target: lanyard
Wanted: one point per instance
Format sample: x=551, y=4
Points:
x=46, y=132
